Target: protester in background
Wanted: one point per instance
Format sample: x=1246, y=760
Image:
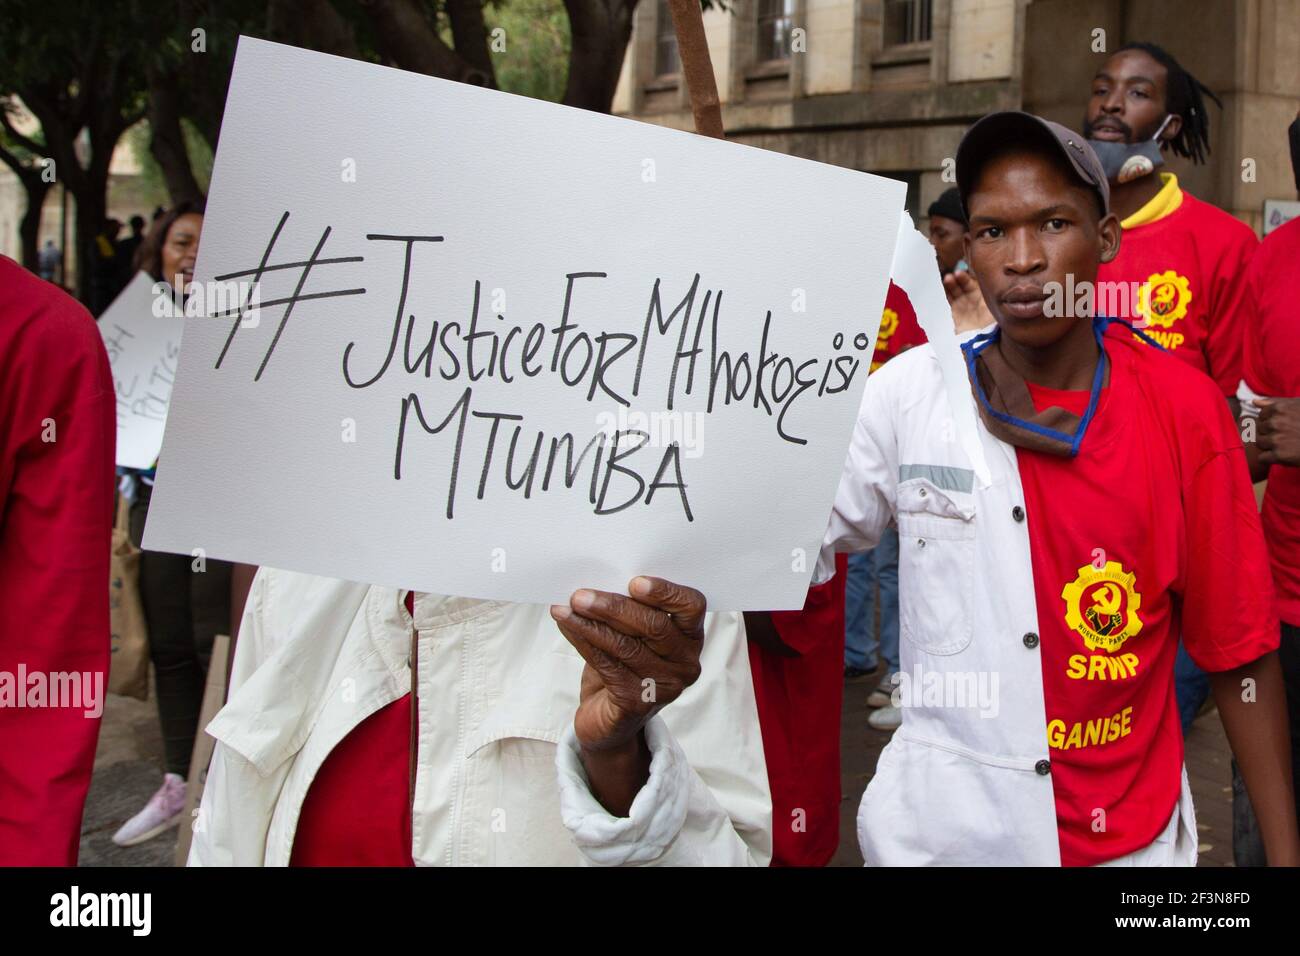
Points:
x=947, y=230
x=1270, y=403
x=1188, y=257
x=48, y=260
x=186, y=599
x=57, y=438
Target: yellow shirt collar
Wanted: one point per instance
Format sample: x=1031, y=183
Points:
x=1160, y=205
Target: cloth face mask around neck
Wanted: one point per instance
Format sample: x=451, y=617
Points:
x=1125, y=162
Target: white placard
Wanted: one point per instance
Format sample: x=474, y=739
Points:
x=489, y=276
x=1278, y=212
x=915, y=273
x=143, y=348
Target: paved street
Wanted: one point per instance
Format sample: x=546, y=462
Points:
x=127, y=771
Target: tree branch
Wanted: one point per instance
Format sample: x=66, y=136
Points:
x=407, y=38
x=469, y=33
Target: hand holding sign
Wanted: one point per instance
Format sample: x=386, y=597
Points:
x=642, y=652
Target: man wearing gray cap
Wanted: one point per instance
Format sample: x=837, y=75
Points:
x=1041, y=611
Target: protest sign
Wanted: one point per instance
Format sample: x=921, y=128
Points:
x=504, y=349
x=143, y=342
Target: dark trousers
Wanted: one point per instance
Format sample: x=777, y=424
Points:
x=1247, y=844
x=184, y=609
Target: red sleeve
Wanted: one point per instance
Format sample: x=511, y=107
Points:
x=1228, y=616
x=821, y=620
x=1271, y=361
x=1229, y=311
x=56, y=489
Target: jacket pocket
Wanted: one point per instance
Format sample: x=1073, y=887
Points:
x=511, y=810
x=936, y=566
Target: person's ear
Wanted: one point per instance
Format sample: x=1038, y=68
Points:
x=1109, y=233
x=1172, y=128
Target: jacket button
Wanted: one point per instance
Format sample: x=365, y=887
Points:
x=920, y=542
x=1043, y=767
x=1031, y=640
x=922, y=492
x=1018, y=513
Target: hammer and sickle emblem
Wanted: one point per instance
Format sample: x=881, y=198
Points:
x=1106, y=600
x=1164, y=297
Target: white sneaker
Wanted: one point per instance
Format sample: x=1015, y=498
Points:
x=162, y=812
x=886, y=718
x=882, y=696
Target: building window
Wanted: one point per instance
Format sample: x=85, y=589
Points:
x=667, y=62
x=775, y=20
x=907, y=21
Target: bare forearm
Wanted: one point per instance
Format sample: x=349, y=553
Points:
x=1258, y=470
x=616, y=776
x=1247, y=425
x=1252, y=705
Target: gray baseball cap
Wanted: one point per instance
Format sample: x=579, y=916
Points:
x=1012, y=126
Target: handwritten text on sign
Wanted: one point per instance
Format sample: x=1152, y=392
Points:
x=504, y=349
x=143, y=347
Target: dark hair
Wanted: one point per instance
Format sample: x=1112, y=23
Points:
x=148, y=255
x=949, y=206
x=1183, y=98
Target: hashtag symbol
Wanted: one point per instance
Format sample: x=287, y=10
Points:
x=289, y=302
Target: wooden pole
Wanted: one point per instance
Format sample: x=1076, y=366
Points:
x=697, y=67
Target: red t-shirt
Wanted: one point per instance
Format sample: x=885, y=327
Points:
x=358, y=809
x=1191, y=265
x=899, y=329
x=1151, y=531
x=58, y=431
x=799, y=703
x=1272, y=368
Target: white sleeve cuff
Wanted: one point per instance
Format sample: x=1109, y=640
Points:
x=825, y=569
x=1246, y=395
x=657, y=814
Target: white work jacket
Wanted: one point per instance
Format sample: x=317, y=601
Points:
x=955, y=786
x=498, y=777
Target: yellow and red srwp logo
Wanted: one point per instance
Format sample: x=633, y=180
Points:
x=1164, y=298
x=888, y=326
x=1101, y=604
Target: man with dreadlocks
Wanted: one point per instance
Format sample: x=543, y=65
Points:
x=1185, y=259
